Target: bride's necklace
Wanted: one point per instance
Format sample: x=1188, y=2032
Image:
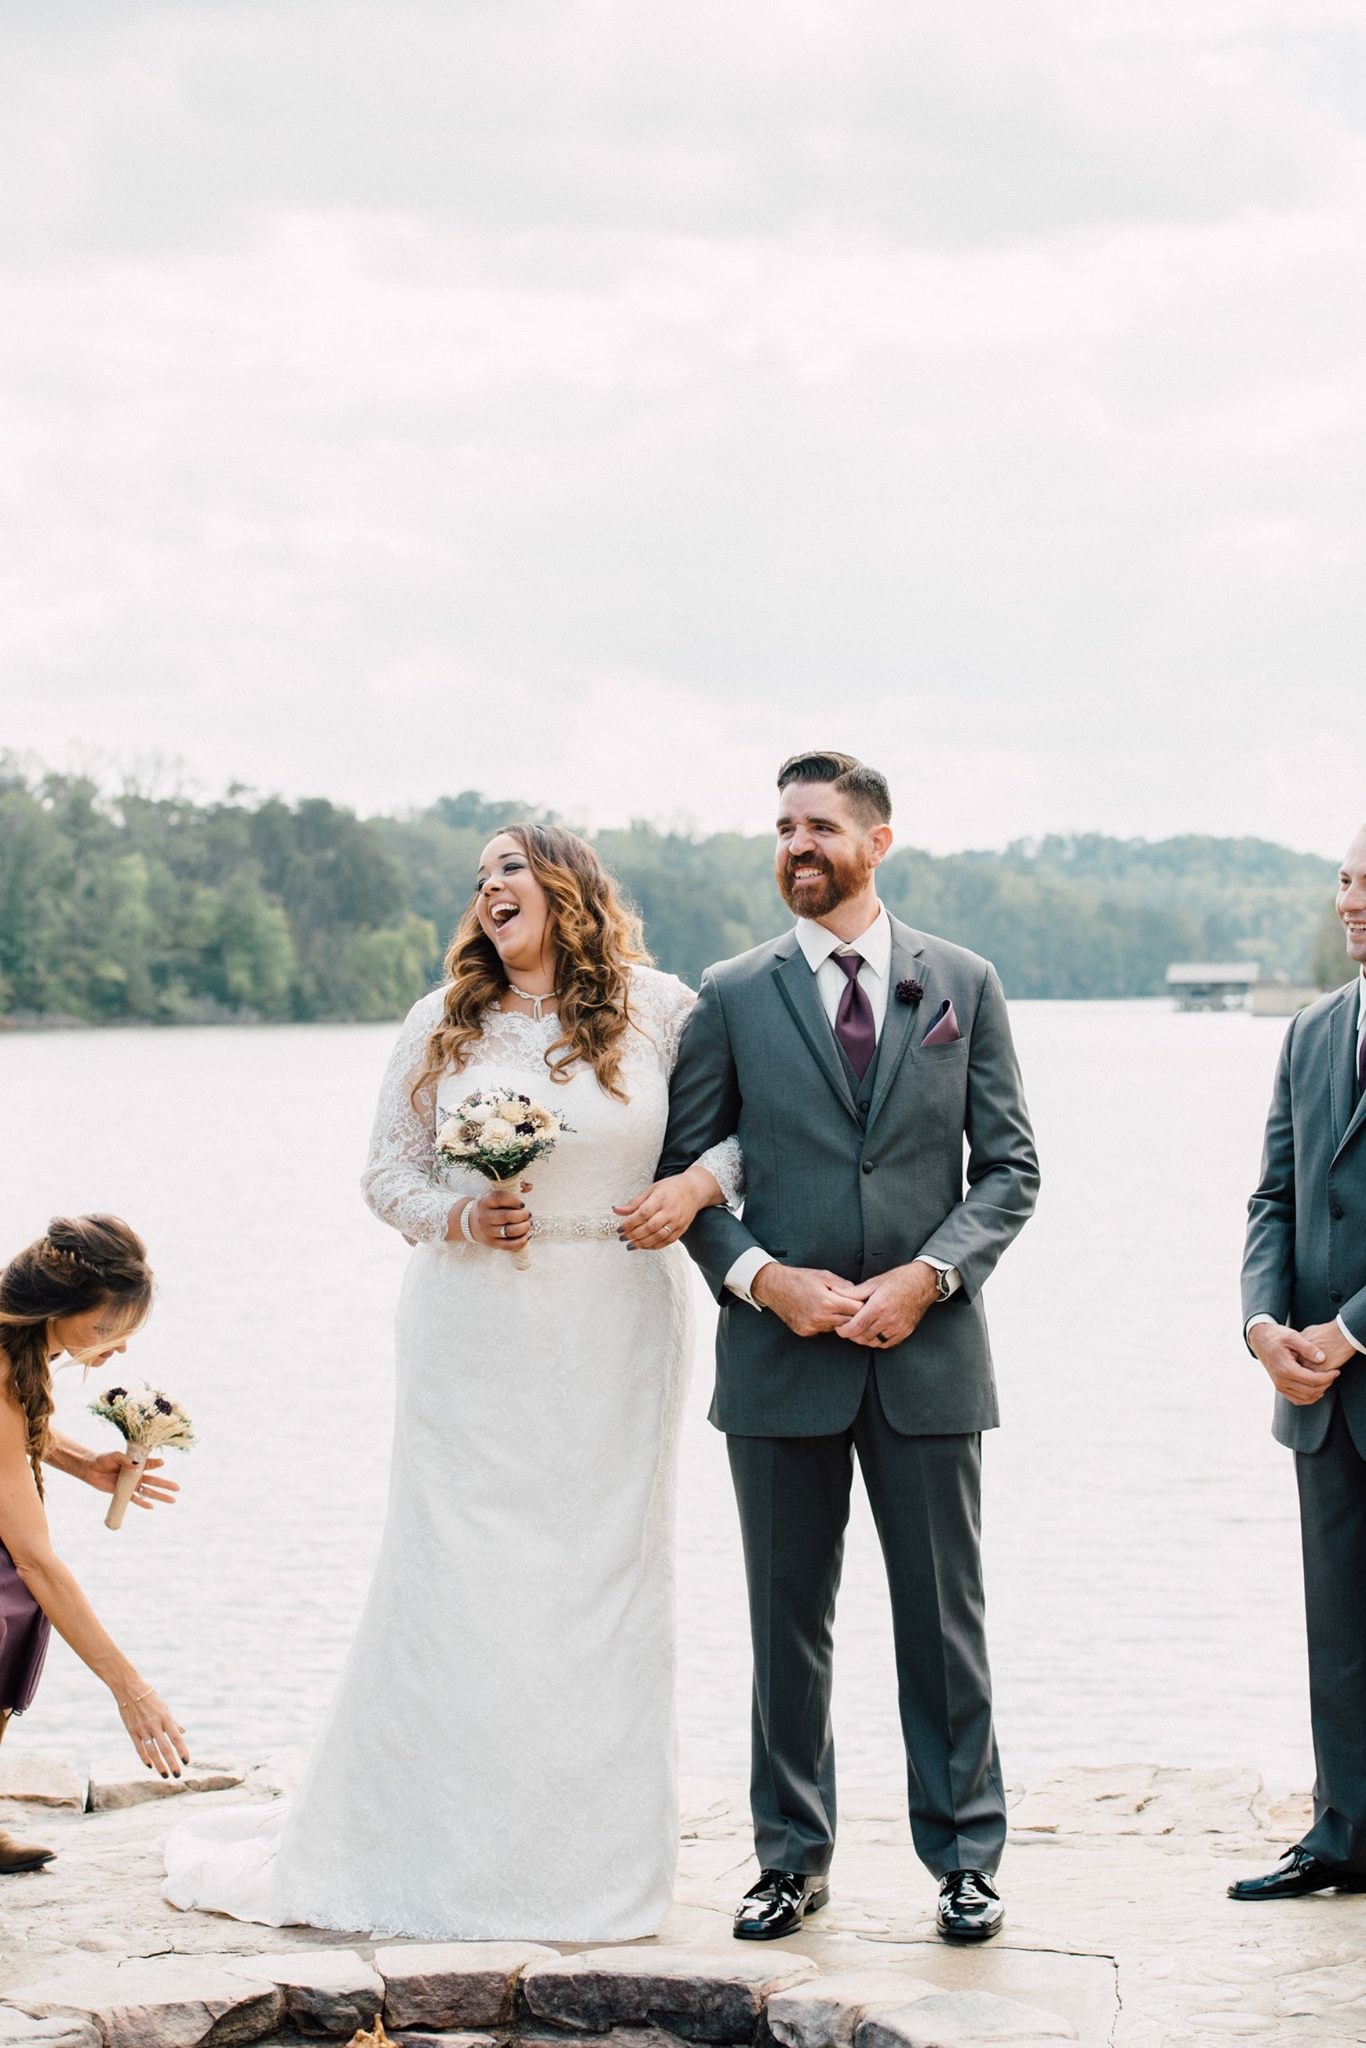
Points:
x=528, y=997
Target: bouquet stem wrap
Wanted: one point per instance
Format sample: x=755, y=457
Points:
x=125, y=1486
x=521, y=1258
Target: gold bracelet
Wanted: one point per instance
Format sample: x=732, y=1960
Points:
x=140, y=1697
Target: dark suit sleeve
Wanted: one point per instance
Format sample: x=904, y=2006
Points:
x=1003, y=1166
x=1269, y=1251
x=704, y=1108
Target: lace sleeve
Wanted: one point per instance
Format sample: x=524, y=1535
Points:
x=396, y=1182
x=665, y=1002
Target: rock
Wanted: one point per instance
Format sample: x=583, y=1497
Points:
x=43, y=1780
x=454, y=1983
x=326, y=1990
x=112, y=1787
x=162, y=2001
x=703, y=1994
x=961, y=2019
x=18, y=2030
x=426, y=2040
x=825, y=2012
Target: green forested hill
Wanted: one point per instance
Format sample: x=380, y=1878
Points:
x=136, y=906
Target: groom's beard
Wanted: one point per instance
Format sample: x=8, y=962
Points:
x=838, y=882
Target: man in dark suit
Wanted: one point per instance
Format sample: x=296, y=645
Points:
x=1304, y=1311
x=852, y=1056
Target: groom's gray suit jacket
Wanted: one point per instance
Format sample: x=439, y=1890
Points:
x=855, y=1177
x=1305, y=1257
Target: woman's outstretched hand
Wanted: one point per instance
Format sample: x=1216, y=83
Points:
x=150, y=1491
x=663, y=1211
x=155, y=1733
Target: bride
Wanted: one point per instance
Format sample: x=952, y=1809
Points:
x=498, y=1760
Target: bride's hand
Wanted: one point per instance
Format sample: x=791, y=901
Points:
x=500, y=1220
x=661, y=1214
x=155, y=1733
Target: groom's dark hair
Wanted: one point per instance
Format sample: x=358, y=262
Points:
x=865, y=788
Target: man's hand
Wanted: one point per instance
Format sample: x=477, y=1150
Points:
x=1296, y=1362
x=809, y=1300
x=1328, y=1338
x=892, y=1305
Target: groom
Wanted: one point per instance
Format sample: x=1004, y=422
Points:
x=853, y=1056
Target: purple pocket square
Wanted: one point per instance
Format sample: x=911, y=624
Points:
x=944, y=1029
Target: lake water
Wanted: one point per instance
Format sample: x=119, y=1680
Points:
x=1141, y=1534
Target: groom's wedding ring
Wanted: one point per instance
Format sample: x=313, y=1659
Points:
x=882, y=1336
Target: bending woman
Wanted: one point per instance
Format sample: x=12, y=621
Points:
x=83, y=1290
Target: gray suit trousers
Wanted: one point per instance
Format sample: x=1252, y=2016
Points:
x=1332, y=1483
x=793, y=1495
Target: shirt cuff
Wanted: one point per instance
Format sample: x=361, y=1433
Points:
x=742, y=1274
x=943, y=1266
x=1355, y=1342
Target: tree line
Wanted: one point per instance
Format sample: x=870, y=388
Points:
x=134, y=906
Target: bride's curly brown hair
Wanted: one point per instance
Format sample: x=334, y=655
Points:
x=597, y=938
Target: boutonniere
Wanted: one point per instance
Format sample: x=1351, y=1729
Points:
x=912, y=992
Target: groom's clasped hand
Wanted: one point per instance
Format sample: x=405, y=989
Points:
x=880, y=1312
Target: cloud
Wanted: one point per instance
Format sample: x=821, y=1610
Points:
x=622, y=391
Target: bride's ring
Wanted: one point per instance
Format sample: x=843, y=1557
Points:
x=502, y=1230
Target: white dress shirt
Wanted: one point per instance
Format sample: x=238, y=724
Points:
x=820, y=947
x=1361, y=1027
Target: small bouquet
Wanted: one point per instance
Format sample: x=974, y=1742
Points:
x=148, y=1422
x=498, y=1133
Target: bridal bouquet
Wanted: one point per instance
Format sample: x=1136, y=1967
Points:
x=498, y=1133
x=147, y=1422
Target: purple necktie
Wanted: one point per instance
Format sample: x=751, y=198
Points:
x=854, y=1017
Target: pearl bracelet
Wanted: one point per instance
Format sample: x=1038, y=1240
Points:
x=466, y=1229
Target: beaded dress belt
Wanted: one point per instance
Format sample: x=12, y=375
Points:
x=569, y=1229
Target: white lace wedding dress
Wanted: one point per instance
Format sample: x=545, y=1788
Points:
x=499, y=1757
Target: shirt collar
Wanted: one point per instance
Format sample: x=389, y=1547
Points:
x=875, y=944
x=1361, y=998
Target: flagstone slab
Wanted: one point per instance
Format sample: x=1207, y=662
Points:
x=1138, y=1799
x=326, y=1990
x=43, y=1780
x=454, y=1983
x=163, y=2001
x=825, y=2012
x=703, y=1994
x=113, y=1787
x=961, y=2019
x=21, y=2030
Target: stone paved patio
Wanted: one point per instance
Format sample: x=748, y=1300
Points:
x=1119, y=1936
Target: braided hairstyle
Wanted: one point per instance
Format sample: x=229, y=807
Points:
x=84, y=1263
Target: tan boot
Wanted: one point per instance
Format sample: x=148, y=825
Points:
x=14, y=1855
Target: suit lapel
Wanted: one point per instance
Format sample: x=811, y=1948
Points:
x=1349, y=1115
x=903, y=1022
x=797, y=987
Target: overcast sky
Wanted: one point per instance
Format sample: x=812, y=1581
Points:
x=594, y=401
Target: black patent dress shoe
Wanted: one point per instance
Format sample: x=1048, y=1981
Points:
x=779, y=1903
x=969, y=1908
x=1297, y=1874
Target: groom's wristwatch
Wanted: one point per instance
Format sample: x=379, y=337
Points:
x=945, y=1287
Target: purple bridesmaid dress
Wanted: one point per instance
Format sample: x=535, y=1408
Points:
x=24, y=1633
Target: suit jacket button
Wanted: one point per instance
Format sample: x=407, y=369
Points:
x=1337, y=1212
x=1335, y=1295
x=867, y=1165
